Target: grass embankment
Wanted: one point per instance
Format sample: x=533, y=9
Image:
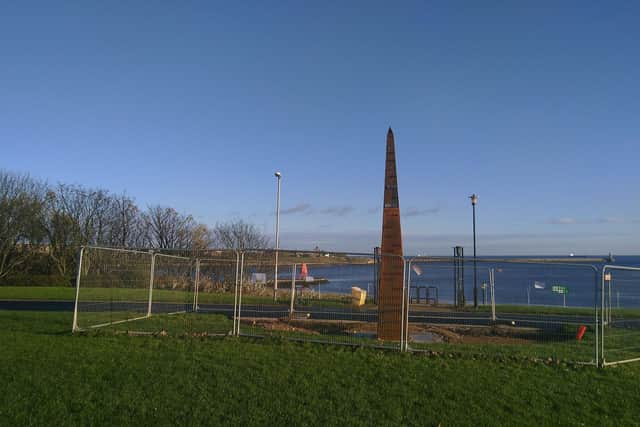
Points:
x=46, y=293
x=51, y=377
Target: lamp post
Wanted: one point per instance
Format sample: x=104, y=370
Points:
x=275, y=279
x=474, y=201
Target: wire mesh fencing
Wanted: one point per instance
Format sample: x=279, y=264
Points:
x=172, y=295
x=440, y=312
x=153, y=292
x=216, y=293
x=534, y=308
x=620, y=341
x=329, y=298
x=113, y=287
x=530, y=308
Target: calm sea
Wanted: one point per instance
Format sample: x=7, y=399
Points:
x=514, y=283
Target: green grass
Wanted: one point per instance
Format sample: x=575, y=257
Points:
x=159, y=295
x=37, y=293
x=557, y=345
x=582, y=352
x=566, y=311
x=163, y=295
x=540, y=309
x=173, y=324
x=50, y=377
x=105, y=294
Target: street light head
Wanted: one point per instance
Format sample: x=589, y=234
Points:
x=278, y=174
x=474, y=199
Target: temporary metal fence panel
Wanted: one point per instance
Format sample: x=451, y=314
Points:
x=538, y=308
x=620, y=304
x=112, y=287
x=329, y=299
x=262, y=310
x=173, y=288
x=438, y=301
x=552, y=305
x=144, y=292
x=255, y=294
x=173, y=296
x=215, y=294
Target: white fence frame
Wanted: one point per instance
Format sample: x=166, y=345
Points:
x=494, y=317
x=83, y=250
x=195, y=281
x=606, y=313
x=75, y=327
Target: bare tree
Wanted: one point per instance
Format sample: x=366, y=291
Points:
x=21, y=201
x=75, y=216
x=239, y=235
x=65, y=217
x=168, y=229
x=202, y=237
x=126, y=228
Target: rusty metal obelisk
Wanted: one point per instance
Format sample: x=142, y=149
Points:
x=391, y=263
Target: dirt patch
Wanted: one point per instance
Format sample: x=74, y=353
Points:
x=452, y=334
x=278, y=325
x=455, y=334
x=499, y=334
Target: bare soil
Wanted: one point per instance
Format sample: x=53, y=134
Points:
x=453, y=334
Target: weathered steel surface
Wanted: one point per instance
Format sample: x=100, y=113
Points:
x=391, y=263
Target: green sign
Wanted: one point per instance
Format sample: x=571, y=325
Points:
x=560, y=289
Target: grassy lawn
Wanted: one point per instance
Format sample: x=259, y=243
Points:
x=540, y=309
x=163, y=295
x=566, y=311
x=50, y=377
x=159, y=295
x=557, y=345
x=54, y=293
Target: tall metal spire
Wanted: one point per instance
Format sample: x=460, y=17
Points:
x=391, y=263
x=390, y=177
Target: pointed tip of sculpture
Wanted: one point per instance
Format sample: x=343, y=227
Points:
x=389, y=132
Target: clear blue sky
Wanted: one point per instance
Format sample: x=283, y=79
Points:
x=196, y=104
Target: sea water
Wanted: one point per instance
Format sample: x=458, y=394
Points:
x=515, y=283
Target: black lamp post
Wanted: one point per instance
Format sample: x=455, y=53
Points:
x=474, y=200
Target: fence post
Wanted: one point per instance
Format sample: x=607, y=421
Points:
x=196, y=284
x=75, y=307
x=293, y=289
x=492, y=282
x=402, y=316
x=595, y=309
x=240, y=293
x=602, y=320
x=609, y=298
x=153, y=266
x=408, y=304
x=235, y=294
x=607, y=324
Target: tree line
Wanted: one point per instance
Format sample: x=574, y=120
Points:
x=42, y=226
